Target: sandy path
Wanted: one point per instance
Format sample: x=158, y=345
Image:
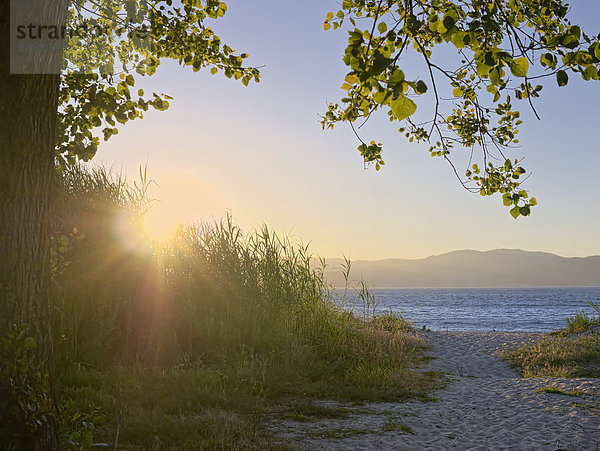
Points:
x=486, y=405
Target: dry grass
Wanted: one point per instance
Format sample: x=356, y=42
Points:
x=570, y=352
x=559, y=356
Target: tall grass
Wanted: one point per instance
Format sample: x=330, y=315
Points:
x=209, y=328
x=98, y=280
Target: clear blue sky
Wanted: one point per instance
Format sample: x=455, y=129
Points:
x=259, y=153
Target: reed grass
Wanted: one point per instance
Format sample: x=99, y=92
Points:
x=187, y=344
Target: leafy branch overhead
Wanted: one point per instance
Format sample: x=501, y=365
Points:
x=505, y=49
x=100, y=69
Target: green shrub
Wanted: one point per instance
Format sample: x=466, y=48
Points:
x=582, y=321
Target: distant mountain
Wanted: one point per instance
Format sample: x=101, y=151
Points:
x=467, y=268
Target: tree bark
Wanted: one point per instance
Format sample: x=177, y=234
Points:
x=28, y=107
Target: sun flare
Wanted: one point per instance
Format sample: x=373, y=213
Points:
x=158, y=225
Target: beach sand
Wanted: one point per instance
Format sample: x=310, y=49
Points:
x=486, y=405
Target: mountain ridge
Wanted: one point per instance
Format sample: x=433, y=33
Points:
x=471, y=268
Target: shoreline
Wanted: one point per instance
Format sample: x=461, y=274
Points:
x=538, y=332
x=472, y=287
x=485, y=405
x=473, y=309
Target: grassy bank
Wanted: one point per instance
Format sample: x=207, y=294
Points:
x=190, y=343
x=570, y=352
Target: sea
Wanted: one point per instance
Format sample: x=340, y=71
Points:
x=483, y=309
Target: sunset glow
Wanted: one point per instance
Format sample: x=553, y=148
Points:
x=269, y=164
x=159, y=225
x=131, y=234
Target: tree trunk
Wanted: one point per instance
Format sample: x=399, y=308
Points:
x=28, y=106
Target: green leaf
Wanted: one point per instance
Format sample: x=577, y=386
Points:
x=570, y=41
x=161, y=105
x=490, y=59
x=525, y=211
x=380, y=97
x=421, y=87
x=450, y=19
x=515, y=212
x=382, y=27
x=562, y=78
x=434, y=23
x=403, y=107
x=482, y=68
x=380, y=62
x=495, y=76
x=352, y=78
x=519, y=67
x=547, y=59
x=590, y=73
x=459, y=39
x=457, y=92
x=396, y=77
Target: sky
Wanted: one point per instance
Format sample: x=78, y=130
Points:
x=259, y=154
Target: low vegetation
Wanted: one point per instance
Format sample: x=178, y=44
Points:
x=189, y=344
x=582, y=321
x=570, y=352
x=559, y=391
x=305, y=410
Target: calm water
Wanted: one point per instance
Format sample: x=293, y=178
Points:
x=503, y=309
